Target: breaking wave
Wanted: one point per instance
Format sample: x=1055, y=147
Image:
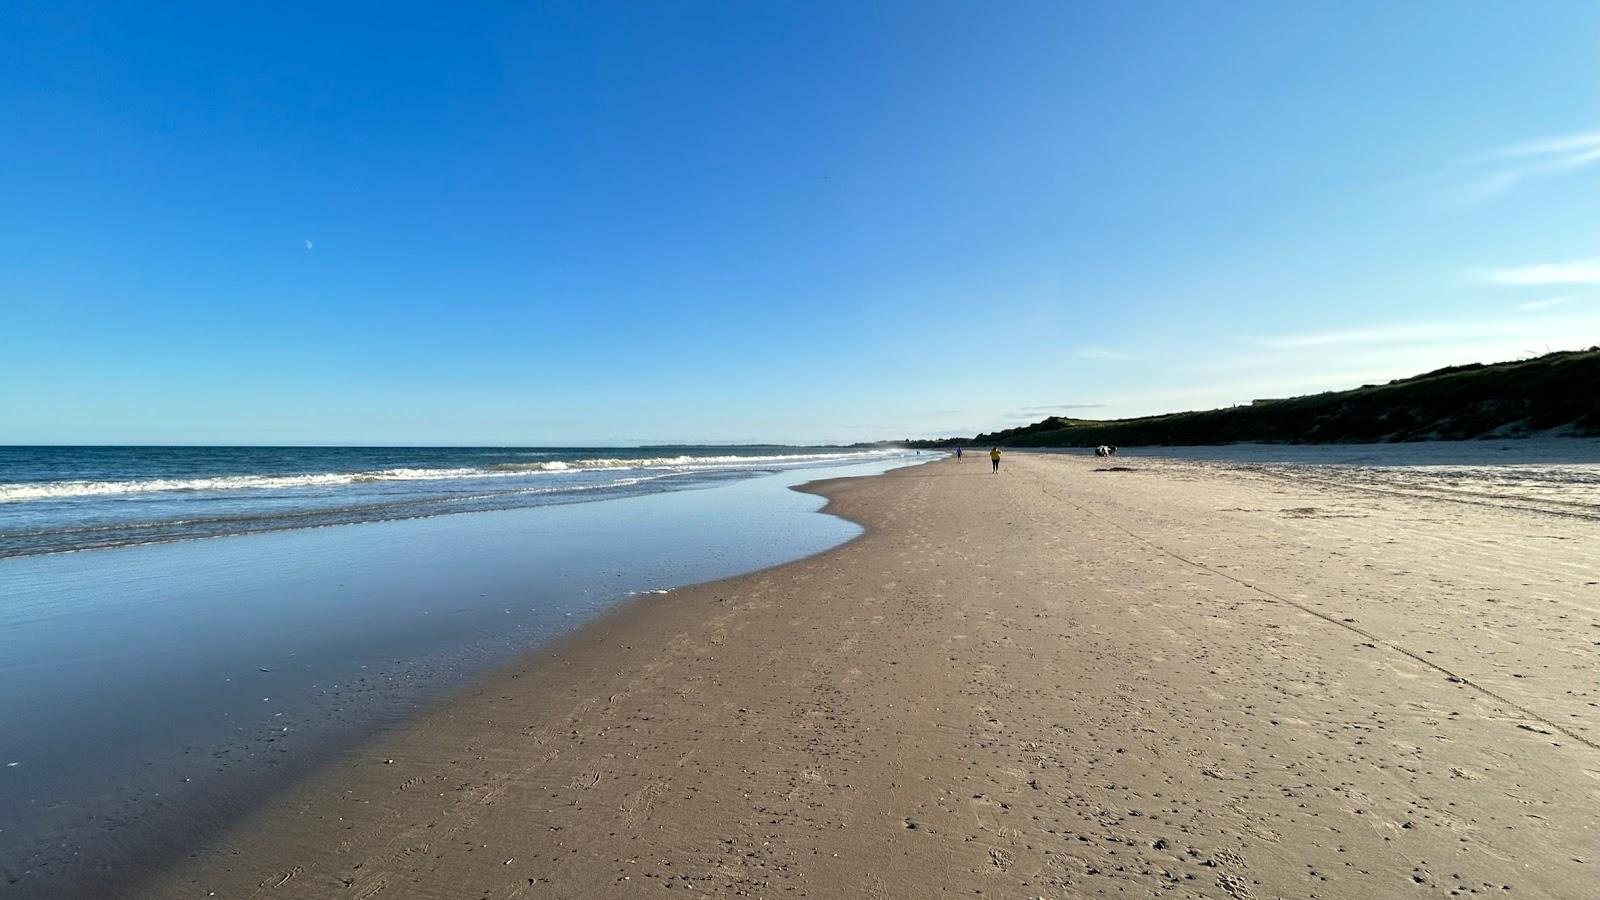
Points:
x=69, y=489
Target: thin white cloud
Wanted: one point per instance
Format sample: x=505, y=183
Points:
x=1503, y=168
x=1564, y=145
x=1546, y=303
x=308, y=245
x=1492, y=185
x=1582, y=271
x=1389, y=334
x=1423, y=333
x=1101, y=353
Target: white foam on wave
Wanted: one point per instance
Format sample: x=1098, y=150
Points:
x=70, y=489
x=61, y=490
x=688, y=462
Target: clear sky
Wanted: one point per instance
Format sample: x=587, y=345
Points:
x=677, y=221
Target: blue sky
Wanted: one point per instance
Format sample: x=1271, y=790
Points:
x=619, y=223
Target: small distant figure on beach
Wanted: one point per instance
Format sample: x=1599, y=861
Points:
x=994, y=459
x=1105, y=450
x=958, y=454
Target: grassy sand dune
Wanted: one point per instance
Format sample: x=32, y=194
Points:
x=1551, y=393
x=1052, y=682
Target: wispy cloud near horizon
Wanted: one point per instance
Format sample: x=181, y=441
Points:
x=1389, y=334
x=1583, y=146
x=1546, y=303
x=1582, y=271
x=1505, y=167
x=1450, y=332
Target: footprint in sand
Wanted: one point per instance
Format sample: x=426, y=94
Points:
x=986, y=813
x=1234, y=886
x=1229, y=858
x=490, y=794
x=405, y=855
x=637, y=808
x=1061, y=868
x=1260, y=832
x=1001, y=859
x=281, y=878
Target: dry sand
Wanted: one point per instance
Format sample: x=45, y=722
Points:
x=1053, y=682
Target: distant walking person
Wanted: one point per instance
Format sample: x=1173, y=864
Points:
x=958, y=454
x=994, y=459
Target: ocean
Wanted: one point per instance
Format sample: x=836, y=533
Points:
x=181, y=632
x=56, y=499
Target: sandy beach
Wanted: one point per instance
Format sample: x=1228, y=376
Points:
x=1062, y=680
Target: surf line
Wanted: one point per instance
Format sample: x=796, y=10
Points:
x=1348, y=626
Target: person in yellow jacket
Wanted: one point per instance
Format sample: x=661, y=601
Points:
x=994, y=459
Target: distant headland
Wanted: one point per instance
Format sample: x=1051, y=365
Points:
x=1557, y=393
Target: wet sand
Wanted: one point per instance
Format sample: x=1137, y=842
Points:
x=1053, y=682
x=150, y=695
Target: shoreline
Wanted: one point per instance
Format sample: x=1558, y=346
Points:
x=955, y=701
x=193, y=681
x=581, y=649
x=65, y=499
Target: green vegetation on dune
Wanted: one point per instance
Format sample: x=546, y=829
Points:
x=1556, y=391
